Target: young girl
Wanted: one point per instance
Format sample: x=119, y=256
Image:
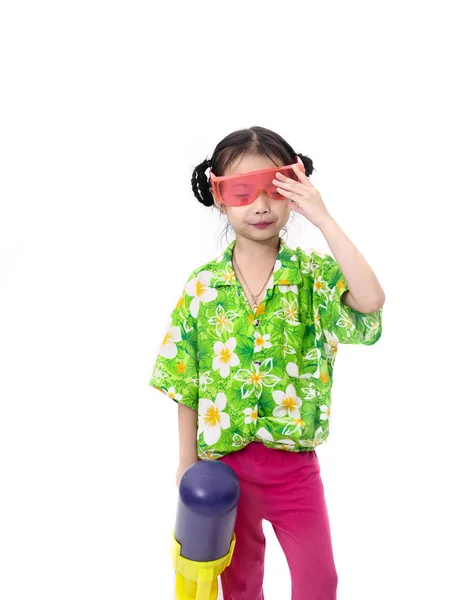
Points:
x=250, y=352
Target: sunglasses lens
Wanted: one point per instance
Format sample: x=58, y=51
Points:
x=289, y=173
x=272, y=188
x=241, y=191
x=236, y=193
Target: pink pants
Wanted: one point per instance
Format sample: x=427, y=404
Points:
x=285, y=488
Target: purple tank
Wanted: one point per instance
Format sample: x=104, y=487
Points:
x=206, y=513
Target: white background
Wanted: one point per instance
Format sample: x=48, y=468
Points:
x=105, y=109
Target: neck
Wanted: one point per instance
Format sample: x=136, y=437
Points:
x=253, y=251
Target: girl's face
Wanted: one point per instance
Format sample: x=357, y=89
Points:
x=264, y=209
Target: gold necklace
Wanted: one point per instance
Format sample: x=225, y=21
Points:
x=254, y=298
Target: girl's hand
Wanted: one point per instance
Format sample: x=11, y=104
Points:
x=303, y=197
x=182, y=468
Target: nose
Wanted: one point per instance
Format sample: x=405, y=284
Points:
x=261, y=204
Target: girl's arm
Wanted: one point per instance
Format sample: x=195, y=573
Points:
x=365, y=292
x=187, y=430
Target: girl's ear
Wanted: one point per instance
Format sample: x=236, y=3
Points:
x=299, y=160
x=217, y=205
x=220, y=207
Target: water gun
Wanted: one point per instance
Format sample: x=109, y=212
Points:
x=203, y=538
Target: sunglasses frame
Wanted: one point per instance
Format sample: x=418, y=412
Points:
x=216, y=181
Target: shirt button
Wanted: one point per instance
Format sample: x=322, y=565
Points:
x=256, y=322
x=257, y=363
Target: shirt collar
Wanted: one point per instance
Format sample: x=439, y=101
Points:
x=287, y=267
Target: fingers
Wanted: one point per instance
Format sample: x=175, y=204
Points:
x=289, y=184
x=287, y=193
x=301, y=174
x=294, y=196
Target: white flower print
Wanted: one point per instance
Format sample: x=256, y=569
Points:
x=238, y=441
x=322, y=288
x=293, y=370
x=288, y=403
x=286, y=348
x=159, y=372
x=212, y=419
x=346, y=322
x=318, y=439
x=310, y=251
x=331, y=345
x=228, y=275
x=251, y=415
x=373, y=325
x=325, y=412
x=288, y=288
x=225, y=357
x=187, y=328
x=223, y=320
x=309, y=266
x=313, y=354
x=311, y=391
x=172, y=393
x=295, y=425
x=265, y=435
x=317, y=323
x=204, y=380
x=289, y=311
x=199, y=289
x=168, y=346
x=331, y=295
x=258, y=377
x=209, y=454
x=261, y=341
x=299, y=424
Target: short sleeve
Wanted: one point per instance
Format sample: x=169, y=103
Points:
x=175, y=371
x=337, y=319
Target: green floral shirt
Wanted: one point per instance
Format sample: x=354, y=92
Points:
x=266, y=374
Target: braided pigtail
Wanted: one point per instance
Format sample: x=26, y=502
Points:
x=308, y=164
x=200, y=183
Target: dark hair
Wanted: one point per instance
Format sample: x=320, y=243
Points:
x=256, y=140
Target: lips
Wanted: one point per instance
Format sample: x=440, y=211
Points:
x=261, y=223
